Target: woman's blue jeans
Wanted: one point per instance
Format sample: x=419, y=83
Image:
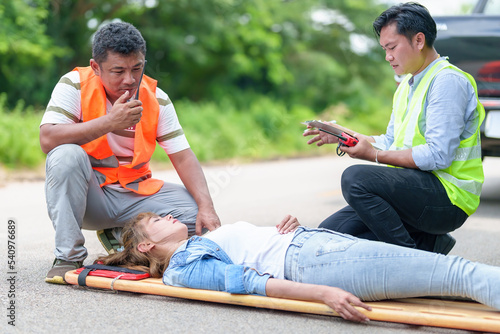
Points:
x=373, y=270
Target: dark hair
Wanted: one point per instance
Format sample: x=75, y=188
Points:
x=410, y=18
x=119, y=37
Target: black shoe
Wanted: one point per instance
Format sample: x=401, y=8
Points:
x=444, y=243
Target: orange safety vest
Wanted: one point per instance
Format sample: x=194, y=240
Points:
x=135, y=176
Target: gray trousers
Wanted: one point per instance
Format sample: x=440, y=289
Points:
x=75, y=201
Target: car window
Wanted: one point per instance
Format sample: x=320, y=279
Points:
x=492, y=7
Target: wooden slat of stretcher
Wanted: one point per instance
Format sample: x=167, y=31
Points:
x=415, y=311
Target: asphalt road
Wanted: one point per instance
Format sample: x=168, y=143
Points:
x=261, y=193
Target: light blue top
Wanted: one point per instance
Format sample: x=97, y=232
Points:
x=201, y=264
x=449, y=116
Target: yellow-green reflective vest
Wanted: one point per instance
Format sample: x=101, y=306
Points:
x=463, y=179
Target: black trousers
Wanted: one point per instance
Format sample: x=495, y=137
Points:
x=401, y=206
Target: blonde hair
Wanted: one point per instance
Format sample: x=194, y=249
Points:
x=132, y=234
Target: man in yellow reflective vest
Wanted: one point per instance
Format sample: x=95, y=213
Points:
x=432, y=140
x=99, y=139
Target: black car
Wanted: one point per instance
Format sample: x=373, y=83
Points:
x=472, y=43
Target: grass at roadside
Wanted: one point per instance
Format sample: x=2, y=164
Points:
x=264, y=129
x=260, y=129
x=19, y=145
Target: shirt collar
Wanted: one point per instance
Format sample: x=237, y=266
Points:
x=415, y=80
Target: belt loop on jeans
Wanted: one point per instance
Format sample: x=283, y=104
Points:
x=301, y=235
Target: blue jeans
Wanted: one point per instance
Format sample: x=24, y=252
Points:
x=373, y=270
x=401, y=206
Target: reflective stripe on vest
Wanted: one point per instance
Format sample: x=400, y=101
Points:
x=463, y=179
x=135, y=176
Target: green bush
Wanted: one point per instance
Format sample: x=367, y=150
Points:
x=247, y=127
x=19, y=144
x=263, y=129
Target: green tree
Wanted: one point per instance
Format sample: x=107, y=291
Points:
x=208, y=49
x=26, y=51
x=300, y=52
x=336, y=58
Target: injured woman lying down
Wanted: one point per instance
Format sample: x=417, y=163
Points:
x=294, y=262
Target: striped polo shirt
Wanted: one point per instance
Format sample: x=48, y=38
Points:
x=64, y=107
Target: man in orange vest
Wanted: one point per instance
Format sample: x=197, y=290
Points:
x=99, y=139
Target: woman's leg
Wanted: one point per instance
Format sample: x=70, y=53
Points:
x=374, y=270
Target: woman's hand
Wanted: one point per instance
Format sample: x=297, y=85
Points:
x=343, y=303
x=287, y=225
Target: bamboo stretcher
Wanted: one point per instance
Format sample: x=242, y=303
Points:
x=416, y=311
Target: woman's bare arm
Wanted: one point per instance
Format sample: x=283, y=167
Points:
x=342, y=302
